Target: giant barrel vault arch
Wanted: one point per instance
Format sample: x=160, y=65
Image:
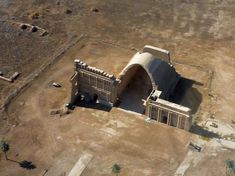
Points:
x=144, y=86
x=162, y=75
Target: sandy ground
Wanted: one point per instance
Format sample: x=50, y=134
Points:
x=57, y=143
x=199, y=35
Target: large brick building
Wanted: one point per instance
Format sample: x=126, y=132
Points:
x=92, y=84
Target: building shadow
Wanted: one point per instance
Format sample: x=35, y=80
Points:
x=187, y=95
x=94, y=105
x=196, y=129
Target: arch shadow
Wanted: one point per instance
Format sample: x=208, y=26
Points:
x=93, y=105
x=196, y=129
x=187, y=95
x=135, y=87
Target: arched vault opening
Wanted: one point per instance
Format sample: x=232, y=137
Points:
x=135, y=87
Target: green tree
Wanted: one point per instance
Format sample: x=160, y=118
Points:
x=230, y=167
x=4, y=147
x=116, y=169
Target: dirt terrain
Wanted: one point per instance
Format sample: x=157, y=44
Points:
x=109, y=136
x=200, y=38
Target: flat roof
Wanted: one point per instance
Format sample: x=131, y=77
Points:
x=173, y=105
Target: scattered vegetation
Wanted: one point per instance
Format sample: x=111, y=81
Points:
x=230, y=167
x=116, y=169
x=4, y=147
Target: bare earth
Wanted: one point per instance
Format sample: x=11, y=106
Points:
x=200, y=37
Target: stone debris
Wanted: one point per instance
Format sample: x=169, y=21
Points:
x=68, y=11
x=195, y=147
x=56, y=85
x=95, y=10
x=214, y=125
x=35, y=15
x=221, y=128
x=12, y=78
x=32, y=28
x=59, y=112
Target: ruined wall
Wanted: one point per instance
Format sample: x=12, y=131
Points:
x=94, y=83
x=74, y=89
